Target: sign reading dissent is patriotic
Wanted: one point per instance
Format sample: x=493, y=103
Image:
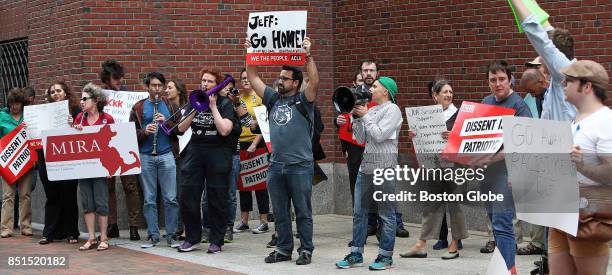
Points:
x=96, y=151
x=276, y=38
x=253, y=170
x=16, y=158
x=477, y=132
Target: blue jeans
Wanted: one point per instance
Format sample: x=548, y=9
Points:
x=162, y=169
x=501, y=212
x=364, y=192
x=292, y=183
x=233, y=182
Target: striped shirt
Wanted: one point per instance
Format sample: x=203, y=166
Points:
x=379, y=129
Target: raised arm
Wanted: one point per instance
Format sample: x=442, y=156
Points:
x=256, y=83
x=313, y=73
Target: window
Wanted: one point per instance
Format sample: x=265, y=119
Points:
x=13, y=66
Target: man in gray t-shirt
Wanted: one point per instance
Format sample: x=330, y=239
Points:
x=291, y=114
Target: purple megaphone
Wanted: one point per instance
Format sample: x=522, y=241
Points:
x=199, y=102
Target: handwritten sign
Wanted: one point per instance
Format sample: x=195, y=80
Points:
x=261, y=115
x=96, y=151
x=276, y=38
x=428, y=124
x=119, y=103
x=45, y=117
x=543, y=177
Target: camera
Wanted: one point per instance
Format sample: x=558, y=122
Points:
x=234, y=92
x=362, y=96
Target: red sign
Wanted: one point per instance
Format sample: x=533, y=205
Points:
x=253, y=170
x=477, y=132
x=345, y=131
x=16, y=158
x=295, y=59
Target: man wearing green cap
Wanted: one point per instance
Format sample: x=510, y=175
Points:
x=379, y=128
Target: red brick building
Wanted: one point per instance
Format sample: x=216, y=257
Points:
x=412, y=40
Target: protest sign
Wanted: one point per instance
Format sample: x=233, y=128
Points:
x=533, y=8
x=428, y=124
x=276, y=38
x=44, y=117
x=261, y=115
x=96, y=151
x=15, y=156
x=119, y=103
x=543, y=177
x=497, y=264
x=477, y=132
x=253, y=170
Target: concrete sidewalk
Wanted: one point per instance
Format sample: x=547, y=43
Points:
x=332, y=233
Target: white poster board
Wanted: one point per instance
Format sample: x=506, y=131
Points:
x=96, y=151
x=428, y=124
x=541, y=173
x=119, y=103
x=261, y=115
x=276, y=37
x=43, y=117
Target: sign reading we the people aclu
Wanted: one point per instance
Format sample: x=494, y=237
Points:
x=96, y=151
x=253, y=170
x=44, y=117
x=477, y=132
x=428, y=124
x=16, y=158
x=276, y=38
x=119, y=103
x=543, y=176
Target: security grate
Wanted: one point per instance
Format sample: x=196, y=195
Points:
x=13, y=66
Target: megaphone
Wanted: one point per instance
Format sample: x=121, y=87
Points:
x=345, y=99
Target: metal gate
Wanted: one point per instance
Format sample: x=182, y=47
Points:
x=13, y=66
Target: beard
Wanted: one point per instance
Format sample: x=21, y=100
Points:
x=282, y=90
x=369, y=81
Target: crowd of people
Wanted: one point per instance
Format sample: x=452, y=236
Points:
x=199, y=184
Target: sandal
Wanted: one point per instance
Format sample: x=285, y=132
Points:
x=44, y=241
x=73, y=240
x=103, y=245
x=90, y=244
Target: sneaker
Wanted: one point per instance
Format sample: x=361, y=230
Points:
x=381, y=263
x=172, y=241
x=272, y=242
x=261, y=228
x=205, y=233
x=241, y=227
x=350, y=260
x=187, y=246
x=304, y=258
x=229, y=235
x=213, y=249
x=401, y=232
x=488, y=248
x=276, y=257
x=150, y=242
x=440, y=244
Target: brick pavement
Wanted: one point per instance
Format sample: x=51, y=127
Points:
x=116, y=260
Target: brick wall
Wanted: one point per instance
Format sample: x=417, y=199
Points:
x=412, y=40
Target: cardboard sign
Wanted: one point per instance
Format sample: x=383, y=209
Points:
x=276, y=38
x=15, y=156
x=96, y=151
x=43, y=117
x=543, y=176
x=428, y=124
x=533, y=8
x=253, y=170
x=119, y=103
x=261, y=115
x=477, y=132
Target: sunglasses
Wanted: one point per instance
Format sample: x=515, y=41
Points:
x=85, y=98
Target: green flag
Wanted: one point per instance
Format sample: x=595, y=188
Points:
x=533, y=7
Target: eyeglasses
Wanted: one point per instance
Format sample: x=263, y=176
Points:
x=284, y=78
x=85, y=98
